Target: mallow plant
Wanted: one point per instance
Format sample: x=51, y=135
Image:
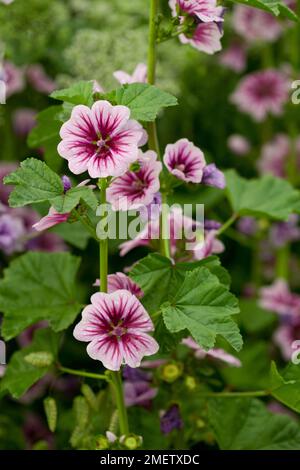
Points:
x=147, y=329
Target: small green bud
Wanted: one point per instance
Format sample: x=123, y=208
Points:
x=171, y=371
x=190, y=382
x=39, y=359
x=51, y=412
x=132, y=441
x=102, y=443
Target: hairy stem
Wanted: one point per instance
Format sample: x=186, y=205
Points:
x=82, y=373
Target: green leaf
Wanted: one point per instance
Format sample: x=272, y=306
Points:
x=20, y=374
x=245, y=424
x=79, y=93
x=276, y=7
x=285, y=386
x=160, y=279
x=144, y=101
x=264, y=197
x=203, y=306
x=39, y=286
x=50, y=408
x=35, y=182
x=45, y=135
x=253, y=317
x=73, y=233
x=66, y=202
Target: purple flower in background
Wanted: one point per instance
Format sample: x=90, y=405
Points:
x=255, y=25
x=285, y=335
x=278, y=298
x=261, y=93
x=136, y=374
x=13, y=78
x=234, y=57
x=120, y=281
x=214, y=353
x=171, y=420
x=185, y=161
x=11, y=232
x=116, y=326
x=102, y=140
x=136, y=188
x=238, y=144
x=139, y=393
x=274, y=156
x=247, y=225
x=214, y=177
x=39, y=80
x=23, y=121
x=285, y=232
x=139, y=75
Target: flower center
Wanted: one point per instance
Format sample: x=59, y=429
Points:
x=118, y=330
x=101, y=143
x=180, y=167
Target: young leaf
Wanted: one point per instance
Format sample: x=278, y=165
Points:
x=203, y=306
x=264, y=197
x=79, y=93
x=144, y=101
x=66, y=202
x=245, y=424
x=39, y=286
x=276, y=7
x=50, y=408
x=160, y=279
x=285, y=386
x=20, y=374
x=35, y=182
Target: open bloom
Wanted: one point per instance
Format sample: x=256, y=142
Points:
x=116, y=326
x=254, y=25
x=185, y=161
x=204, y=10
x=261, y=93
x=139, y=75
x=136, y=188
x=120, y=281
x=206, y=38
x=214, y=353
x=278, y=298
x=102, y=140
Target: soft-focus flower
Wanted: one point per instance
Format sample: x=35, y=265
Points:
x=11, y=231
x=136, y=188
x=151, y=211
x=39, y=80
x=247, y=225
x=120, y=281
x=116, y=326
x=102, y=140
x=13, y=78
x=139, y=393
x=139, y=75
x=210, y=245
x=285, y=336
x=255, y=25
x=206, y=38
x=171, y=420
x=278, y=298
x=214, y=177
x=261, y=93
x=238, y=144
x=7, y=2
x=285, y=232
x=24, y=120
x=185, y=161
x=274, y=155
x=215, y=353
x=53, y=217
x=234, y=57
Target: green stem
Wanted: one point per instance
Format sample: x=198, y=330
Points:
x=116, y=378
x=164, y=221
x=228, y=223
x=85, y=223
x=82, y=373
x=282, y=262
x=257, y=393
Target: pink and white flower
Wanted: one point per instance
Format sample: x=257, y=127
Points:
x=274, y=156
x=278, y=298
x=238, y=144
x=204, y=10
x=120, y=281
x=261, y=93
x=234, y=57
x=185, y=161
x=136, y=188
x=206, y=38
x=215, y=353
x=13, y=78
x=116, y=327
x=255, y=25
x=139, y=75
x=102, y=140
